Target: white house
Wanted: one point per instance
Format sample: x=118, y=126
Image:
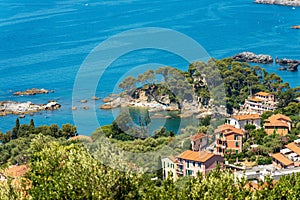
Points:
x=240, y=121
x=169, y=166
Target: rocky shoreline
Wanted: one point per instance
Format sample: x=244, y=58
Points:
x=23, y=108
x=33, y=91
x=188, y=109
x=279, y=2
x=288, y=64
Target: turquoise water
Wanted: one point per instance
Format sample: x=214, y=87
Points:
x=43, y=44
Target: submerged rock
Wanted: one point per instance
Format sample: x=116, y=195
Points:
x=95, y=98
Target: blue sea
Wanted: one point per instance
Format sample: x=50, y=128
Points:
x=44, y=44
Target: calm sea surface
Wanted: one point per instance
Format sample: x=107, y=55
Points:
x=43, y=44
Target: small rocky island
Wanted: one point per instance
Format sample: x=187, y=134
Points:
x=184, y=94
x=252, y=57
x=33, y=91
x=295, y=27
x=23, y=108
x=280, y=2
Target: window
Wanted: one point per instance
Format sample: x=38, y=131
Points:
x=187, y=164
x=236, y=151
x=189, y=172
x=236, y=144
x=236, y=137
x=199, y=164
x=194, y=163
x=168, y=164
x=164, y=164
x=201, y=140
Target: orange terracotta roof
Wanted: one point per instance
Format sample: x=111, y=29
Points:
x=226, y=129
x=254, y=99
x=198, y=136
x=16, y=171
x=280, y=116
x=275, y=120
x=263, y=93
x=292, y=146
x=245, y=117
x=282, y=159
x=276, y=124
x=201, y=156
x=79, y=137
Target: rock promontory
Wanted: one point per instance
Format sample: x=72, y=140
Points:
x=252, y=57
x=280, y=2
x=23, y=108
x=32, y=91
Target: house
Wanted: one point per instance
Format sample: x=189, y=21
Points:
x=279, y=124
x=192, y=163
x=169, y=167
x=288, y=157
x=228, y=138
x=198, y=141
x=260, y=103
x=240, y=121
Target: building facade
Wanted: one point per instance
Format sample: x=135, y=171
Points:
x=240, y=121
x=288, y=157
x=198, y=141
x=191, y=163
x=169, y=167
x=228, y=139
x=278, y=124
x=260, y=103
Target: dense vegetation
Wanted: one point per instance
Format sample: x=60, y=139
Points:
x=17, y=146
x=70, y=172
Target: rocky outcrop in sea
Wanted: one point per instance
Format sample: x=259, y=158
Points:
x=280, y=2
x=292, y=65
x=32, y=91
x=252, y=57
x=23, y=108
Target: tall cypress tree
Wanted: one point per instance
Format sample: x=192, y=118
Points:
x=15, y=130
x=31, y=124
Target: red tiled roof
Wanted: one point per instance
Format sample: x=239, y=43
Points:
x=198, y=136
x=263, y=94
x=282, y=159
x=275, y=121
x=245, y=117
x=280, y=116
x=295, y=148
x=201, y=156
x=226, y=129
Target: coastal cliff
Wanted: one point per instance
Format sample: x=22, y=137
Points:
x=280, y=2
